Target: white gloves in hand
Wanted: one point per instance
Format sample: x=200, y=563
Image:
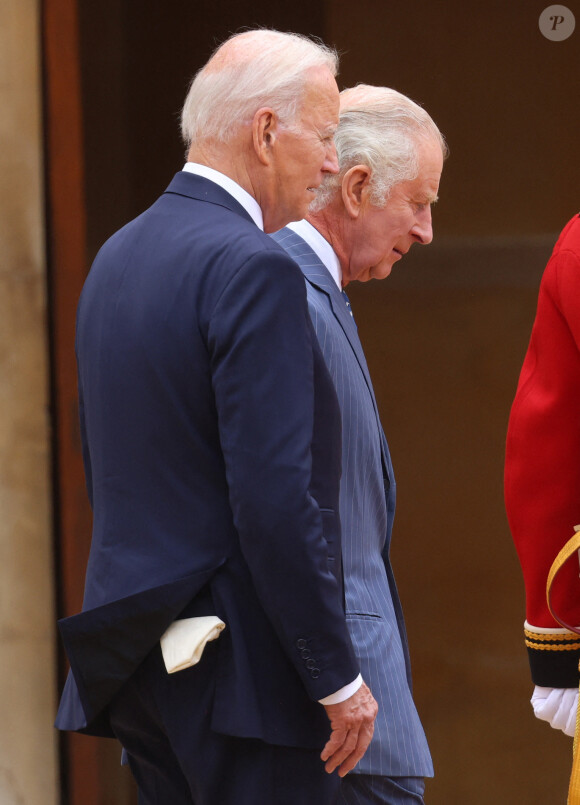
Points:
x=557, y=706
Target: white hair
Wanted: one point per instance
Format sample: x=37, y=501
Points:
x=380, y=128
x=248, y=71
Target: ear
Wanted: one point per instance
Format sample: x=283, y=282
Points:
x=355, y=186
x=264, y=133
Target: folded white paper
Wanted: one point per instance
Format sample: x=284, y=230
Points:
x=184, y=641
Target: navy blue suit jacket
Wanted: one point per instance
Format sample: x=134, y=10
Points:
x=211, y=439
x=367, y=509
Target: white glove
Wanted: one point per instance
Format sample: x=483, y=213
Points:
x=557, y=706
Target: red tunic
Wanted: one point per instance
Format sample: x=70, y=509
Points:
x=542, y=471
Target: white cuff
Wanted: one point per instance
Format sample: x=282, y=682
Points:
x=344, y=693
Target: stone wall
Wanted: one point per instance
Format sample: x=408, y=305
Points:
x=28, y=756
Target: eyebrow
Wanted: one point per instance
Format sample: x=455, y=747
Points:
x=427, y=200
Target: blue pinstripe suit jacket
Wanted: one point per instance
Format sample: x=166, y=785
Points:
x=367, y=507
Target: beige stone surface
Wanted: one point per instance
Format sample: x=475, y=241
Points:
x=28, y=758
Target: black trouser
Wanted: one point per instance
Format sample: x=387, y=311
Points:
x=163, y=721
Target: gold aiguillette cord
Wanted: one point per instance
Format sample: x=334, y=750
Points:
x=569, y=549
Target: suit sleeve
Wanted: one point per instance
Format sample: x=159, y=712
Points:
x=262, y=371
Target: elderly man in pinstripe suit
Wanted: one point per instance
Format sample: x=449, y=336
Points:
x=364, y=220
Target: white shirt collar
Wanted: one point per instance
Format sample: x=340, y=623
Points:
x=320, y=246
x=247, y=201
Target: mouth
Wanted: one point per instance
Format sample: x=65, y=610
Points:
x=399, y=252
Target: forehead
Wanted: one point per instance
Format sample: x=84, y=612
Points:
x=430, y=163
x=320, y=99
x=430, y=158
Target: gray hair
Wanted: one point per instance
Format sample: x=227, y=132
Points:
x=380, y=128
x=248, y=71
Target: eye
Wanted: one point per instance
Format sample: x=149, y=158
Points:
x=327, y=137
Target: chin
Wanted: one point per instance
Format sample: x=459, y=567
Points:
x=380, y=272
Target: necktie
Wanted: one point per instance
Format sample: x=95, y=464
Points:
x=347, y=302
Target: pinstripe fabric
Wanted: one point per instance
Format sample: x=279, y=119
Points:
x=399, y=747
x=368, y=789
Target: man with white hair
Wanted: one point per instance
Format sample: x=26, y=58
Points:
x=365, y=219
x=212, y=641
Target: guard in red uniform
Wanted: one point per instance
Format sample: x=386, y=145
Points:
x=542, y=478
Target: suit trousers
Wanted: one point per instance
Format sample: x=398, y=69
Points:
x=163, y=723
x=369, y=789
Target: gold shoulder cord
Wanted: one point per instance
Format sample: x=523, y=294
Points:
x=569, y=549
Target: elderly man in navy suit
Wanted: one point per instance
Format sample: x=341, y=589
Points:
x=365, y=219
x=211, y=441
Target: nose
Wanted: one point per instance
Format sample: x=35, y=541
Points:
x=422, y=229
x=330, y=164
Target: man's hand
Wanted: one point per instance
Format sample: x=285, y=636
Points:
x=352, y=723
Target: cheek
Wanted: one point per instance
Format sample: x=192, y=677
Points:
x=382, y=238
x=313, y=160
x=383, y=252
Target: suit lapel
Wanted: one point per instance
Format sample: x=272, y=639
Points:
x=318, y=275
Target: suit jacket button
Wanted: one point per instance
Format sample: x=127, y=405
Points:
x=310, y=664
x=315, y=673
x=300, y=644
x=305, y=654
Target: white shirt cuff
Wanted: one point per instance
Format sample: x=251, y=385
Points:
x=344, y=693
